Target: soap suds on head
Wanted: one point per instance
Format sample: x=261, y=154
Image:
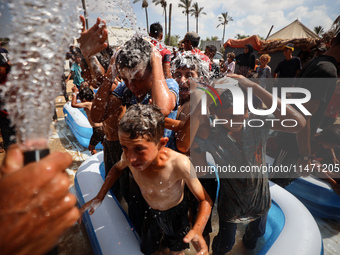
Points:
x=191, y=61
x=134, y=57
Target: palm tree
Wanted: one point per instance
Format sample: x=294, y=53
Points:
x=318, y=30
x=186, y=4
x=145, y=5
x=163, y=3
x=224, y=21
x=197, y=11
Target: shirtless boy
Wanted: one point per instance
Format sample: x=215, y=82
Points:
x=161, y=174
x=86, y=96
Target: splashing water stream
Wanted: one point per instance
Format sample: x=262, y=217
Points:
x=41, y=33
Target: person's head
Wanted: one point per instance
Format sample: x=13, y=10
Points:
x=186, y=69
x=191, y=40
x=77, y=58
x=225, y=111
x=288, y=50
x=248, y=49
x=156, y=31
x=4, y=65
x=210, y=51
x=329, y=137
x=140, y=132
x=86, y=94
x=264, y=59
x=230, y=57
x=133, y=65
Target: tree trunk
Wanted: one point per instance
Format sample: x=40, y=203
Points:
x=223, y=33
x=85, y=15
x=187, y=22
x=147, y=19
x=169, y=36
x=197, y=25
x=166, y=22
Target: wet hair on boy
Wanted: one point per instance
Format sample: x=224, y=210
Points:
x=86, y=94
x=190, y=61
x=156, y=30
x=146, y=121
x=134, y=52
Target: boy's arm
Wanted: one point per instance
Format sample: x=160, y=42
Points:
x=267, y=99
x=161, y=95
x=204, y=207
x=105, y=103
x=69, y=76
x=111, y=178
x=74, y=102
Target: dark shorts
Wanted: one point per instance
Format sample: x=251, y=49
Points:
x=97, y=136
x=163, y=229
x=112, y=154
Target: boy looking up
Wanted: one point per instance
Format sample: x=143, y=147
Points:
x=161, y=174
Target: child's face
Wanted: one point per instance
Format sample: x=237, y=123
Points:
x=184, y=77
x=228, y=115
x=139, y=152
x=78, y=60
x=264, y=61
x=138, y=81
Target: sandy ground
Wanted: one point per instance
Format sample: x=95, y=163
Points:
x=76, y=241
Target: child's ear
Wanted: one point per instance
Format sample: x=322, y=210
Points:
x=163, y=141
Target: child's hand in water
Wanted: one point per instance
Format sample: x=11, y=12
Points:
x=198, y=242
x=91, y=205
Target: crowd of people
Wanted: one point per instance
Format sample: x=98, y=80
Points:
x=149, y=113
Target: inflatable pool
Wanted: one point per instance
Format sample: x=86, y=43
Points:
x=317, y=196
x=109, y=228
x=77, y=121
x=291, y=229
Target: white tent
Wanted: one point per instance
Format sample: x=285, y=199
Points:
x=118, y=36
x=294, y=30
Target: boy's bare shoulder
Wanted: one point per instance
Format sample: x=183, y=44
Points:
x=178, y=159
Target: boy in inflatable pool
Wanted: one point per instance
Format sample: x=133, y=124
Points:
x=161, y=174
x=86, y=96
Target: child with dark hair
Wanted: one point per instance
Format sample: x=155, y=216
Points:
x=188, y=69
x=86, y=96
x=156, y=32
x=76, y=72
x=161, y=174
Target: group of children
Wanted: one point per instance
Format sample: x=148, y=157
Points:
x=162, y=138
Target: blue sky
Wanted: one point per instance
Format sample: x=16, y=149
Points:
x=250, y=17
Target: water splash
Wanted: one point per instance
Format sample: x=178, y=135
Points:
x=42, y=30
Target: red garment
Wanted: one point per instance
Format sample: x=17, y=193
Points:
x=333, y=106
x=166, y=54
x=202, y=56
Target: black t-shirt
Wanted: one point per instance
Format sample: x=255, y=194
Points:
x=319, y=76
x=288, y=68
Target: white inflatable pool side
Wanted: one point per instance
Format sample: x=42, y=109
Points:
x=79, y=125
x=108, y=228
x=111, y=233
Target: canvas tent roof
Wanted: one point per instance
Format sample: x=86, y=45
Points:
x=118, y=35
x=253, y=40
x=293, y=31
